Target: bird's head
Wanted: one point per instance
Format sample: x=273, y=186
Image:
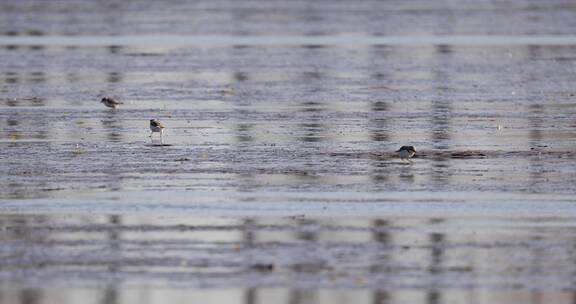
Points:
x=407, y=148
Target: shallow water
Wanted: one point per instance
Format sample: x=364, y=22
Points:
x=276, y=177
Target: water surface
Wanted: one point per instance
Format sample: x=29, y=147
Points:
x=276, y=177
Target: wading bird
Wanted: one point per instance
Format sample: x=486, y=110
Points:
x=406, y=152
x=156, y=127
x=111, y=102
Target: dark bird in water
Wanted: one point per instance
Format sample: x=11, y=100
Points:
x=111, y=102
x=406, y=152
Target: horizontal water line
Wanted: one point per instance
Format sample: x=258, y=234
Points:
x=317, y=204
x=278, y=40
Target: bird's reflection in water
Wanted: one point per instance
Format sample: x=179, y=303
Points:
x=112, y=125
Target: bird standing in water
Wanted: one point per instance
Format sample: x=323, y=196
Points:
x=156, y=127
x=111, y=102
x=406, y=152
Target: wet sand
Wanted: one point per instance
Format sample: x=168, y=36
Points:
x=276, y=179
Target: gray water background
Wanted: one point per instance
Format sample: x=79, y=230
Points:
x=278, y=180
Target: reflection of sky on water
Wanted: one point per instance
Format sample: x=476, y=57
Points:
x=453, y=115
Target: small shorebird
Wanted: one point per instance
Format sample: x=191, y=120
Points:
x=406, y=152
x=156, y=126
x=111, y=102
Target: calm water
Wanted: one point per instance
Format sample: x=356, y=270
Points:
x=277, y=179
